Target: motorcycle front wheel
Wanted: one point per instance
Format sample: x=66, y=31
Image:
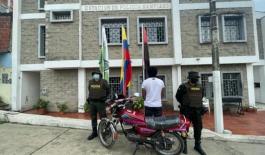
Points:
x=170, y=144
x=106, y=134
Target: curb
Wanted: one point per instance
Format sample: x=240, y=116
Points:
x=43, y=120
x=31, y=119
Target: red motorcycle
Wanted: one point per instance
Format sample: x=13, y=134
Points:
x=165, y=134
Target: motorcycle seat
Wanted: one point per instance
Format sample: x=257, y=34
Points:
x=163, y=122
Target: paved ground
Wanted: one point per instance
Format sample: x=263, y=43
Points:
x=18, y=139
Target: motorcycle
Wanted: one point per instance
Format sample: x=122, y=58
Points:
x=165, y=134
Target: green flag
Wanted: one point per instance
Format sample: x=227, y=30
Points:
x=104, y=56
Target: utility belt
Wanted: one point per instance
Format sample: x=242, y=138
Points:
x=187, y=110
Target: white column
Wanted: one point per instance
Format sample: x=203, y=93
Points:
x=81, y=89
x=262, y=83
x=251, y=89
x=176, y=81
x=16, y=41
x=218, y=105
x=176, y=31
x=255, y=30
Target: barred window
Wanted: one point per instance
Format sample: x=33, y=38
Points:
x=234, y=28
x=114, y=83
x=205, y=29
x=41, y=41
x=5, y=79
x=113, y=29
x=41, y=4
x=156, y=29
x=161, y=77
x=232, y=85
x=207, y=85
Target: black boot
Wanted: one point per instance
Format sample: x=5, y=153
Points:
x=185, y=150
x=199, y=149
x=93, y=135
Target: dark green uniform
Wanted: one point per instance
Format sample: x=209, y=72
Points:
x=98, y=92
x=190, y=97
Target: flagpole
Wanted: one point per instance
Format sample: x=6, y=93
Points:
x=143, y=67
x=102, y=46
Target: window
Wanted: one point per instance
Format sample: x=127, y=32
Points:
x=61, y=16
x=234, y=28
x=114, y=83
x=41, y=41
x=207, y=85
x=205, y=29
x=156, y=29
x=161, y=77
x=41, y=4
x=232, y=85
x=5, y=79
x=113, y=29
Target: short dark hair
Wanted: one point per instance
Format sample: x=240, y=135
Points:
x=152, y=71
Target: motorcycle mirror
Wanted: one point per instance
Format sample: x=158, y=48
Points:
x=136, y=94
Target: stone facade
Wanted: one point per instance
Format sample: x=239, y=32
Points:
x=238, y=68
x=61, y=87
x=91, y=30
x=30, y=6
x=206, y=1
x=29, y=41
x=62, y=43
x=191, y=39
x=96, y=2
x=63, y=39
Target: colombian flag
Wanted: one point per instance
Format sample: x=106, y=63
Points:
x=126, y=67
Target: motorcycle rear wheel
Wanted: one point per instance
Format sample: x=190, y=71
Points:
x=106, y=135
x=174, y=142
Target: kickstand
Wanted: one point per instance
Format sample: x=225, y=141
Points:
x=136, y=148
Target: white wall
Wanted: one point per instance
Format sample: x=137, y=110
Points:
x=259, y=76
x=30, y=92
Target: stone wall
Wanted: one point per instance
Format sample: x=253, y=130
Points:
x=224, y=68
x=29, y=41
x=62, y=87
x=191, y=46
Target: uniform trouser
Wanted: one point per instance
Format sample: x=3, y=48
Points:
x=194, y=114
x=97, y=107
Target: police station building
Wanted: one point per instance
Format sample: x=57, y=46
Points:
x=56, y=45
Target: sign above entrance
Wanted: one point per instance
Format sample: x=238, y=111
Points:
x=127, y=7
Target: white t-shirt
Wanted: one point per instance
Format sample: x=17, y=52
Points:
x=153, y=88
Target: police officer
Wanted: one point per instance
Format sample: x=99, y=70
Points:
x=190, y=95
x=98, y=92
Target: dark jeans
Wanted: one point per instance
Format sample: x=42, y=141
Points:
x=152, y=111
x=97, y=107
x=195, y=116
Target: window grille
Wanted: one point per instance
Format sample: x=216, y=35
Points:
x=156, y=29
x=232, y=85
x=113, y=29
x=205, y=29
x=234, y=29
x=41, y=4
x=206, y=85
x=41, y=42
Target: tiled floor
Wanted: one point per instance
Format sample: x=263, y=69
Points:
x=248, y=124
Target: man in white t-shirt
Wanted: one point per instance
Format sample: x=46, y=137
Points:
x=152, y=89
